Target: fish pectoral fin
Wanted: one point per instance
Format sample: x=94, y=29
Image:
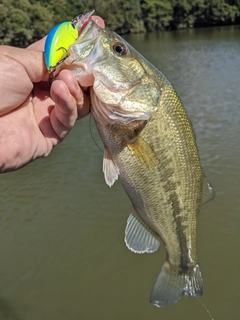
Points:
x=138, y=236
x=208, y=192
x=144, y=153
x=110, y=170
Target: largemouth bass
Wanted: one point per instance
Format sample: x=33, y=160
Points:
x=150, y=145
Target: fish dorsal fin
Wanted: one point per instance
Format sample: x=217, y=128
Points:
x=138, y=237
x=110, y=170
x=208, y=192
x=144, y=153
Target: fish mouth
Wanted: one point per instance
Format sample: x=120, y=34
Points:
x=86, y=44
x=89, y=31
x=80, y=22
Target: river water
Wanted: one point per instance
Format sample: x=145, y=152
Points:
x=62, y=251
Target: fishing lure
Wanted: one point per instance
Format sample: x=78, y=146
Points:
x=61, y=37
x=57, y=43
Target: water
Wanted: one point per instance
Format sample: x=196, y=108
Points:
x=61, y=245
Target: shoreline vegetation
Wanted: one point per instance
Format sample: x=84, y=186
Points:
x=25, y=21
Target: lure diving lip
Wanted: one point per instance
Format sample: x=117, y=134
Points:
x=61, y=37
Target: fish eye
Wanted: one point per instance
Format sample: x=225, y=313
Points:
x=119, y=48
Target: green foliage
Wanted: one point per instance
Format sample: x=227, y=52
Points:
x=192, y=13
x=157, y=14
x=25, y=21
x=123, y=16
x=185, y=12
x=222, y=12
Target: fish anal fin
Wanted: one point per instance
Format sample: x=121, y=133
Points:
x=170, y=286
x=138, y=236
x=110, y=170
x=208, y=192
x=144, y=153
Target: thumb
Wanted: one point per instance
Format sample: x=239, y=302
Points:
x=38, y=45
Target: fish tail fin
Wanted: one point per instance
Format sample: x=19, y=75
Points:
x=171, y=285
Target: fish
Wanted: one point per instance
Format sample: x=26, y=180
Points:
x=150, y=145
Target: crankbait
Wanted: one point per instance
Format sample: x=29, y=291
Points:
x=61, y=37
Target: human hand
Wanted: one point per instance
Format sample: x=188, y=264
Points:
x=34, y=117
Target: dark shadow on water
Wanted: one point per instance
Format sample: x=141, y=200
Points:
x=7, y=311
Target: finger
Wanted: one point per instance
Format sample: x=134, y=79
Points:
x=64, y=114
x=82, y=101
x=38, y=45
x=99, y=21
